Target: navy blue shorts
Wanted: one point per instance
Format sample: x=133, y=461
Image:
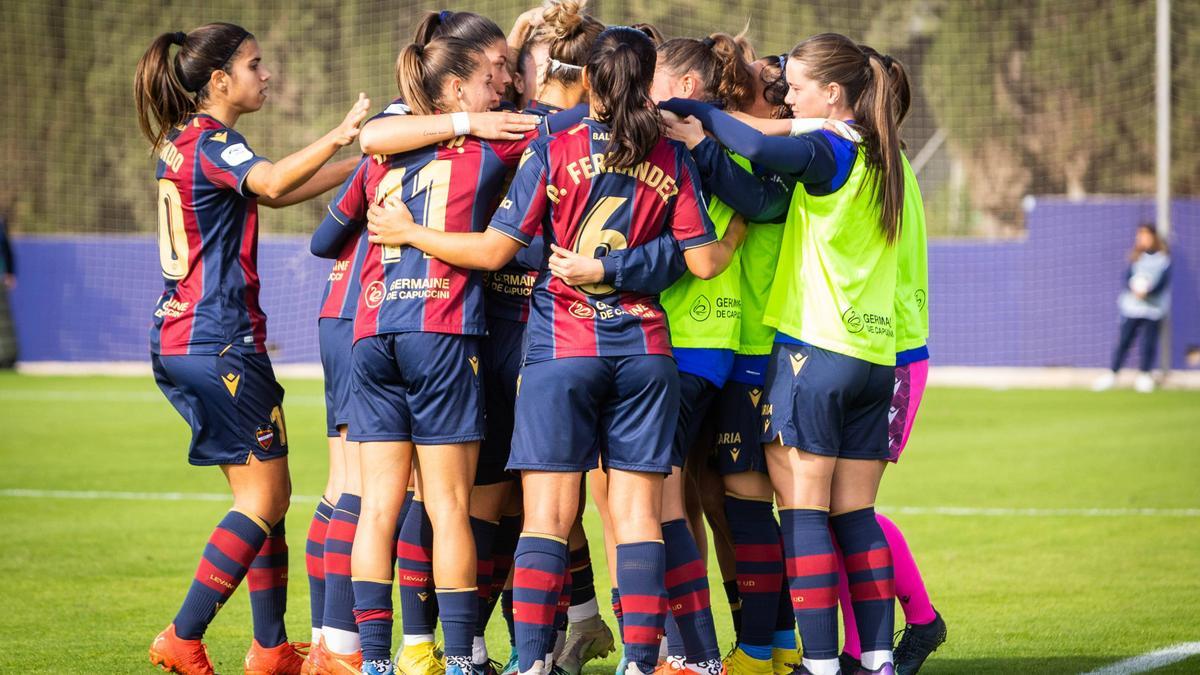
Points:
x=500, y=358
x=827, y=403
x=336, y=338
x=630, y=404
x=232, y=403
x=419, y=387
x=739, y=425
x=696, y=397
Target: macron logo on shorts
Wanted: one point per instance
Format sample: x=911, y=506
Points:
x=798, y=361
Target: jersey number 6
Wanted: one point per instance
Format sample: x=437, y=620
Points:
x=597, y=241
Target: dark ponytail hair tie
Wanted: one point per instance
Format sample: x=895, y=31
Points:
x=178, y=38
x=709, y=42
x=445, y=15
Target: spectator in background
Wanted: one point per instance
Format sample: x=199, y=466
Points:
x=8, y=275
x=1143, y=305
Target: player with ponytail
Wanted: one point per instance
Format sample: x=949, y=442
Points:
x=208, y=337
x=600, y=352
x=829, y=384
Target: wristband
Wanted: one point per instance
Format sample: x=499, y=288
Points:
x=804, y=125
x=461, y=122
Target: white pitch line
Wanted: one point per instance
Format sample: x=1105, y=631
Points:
x=897, y=510
x=122, y=397
x=1034, y=512
x=131, y=496
x=1159, y=658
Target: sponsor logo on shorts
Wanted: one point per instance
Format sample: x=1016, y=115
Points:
x=374, y=294
x=265, y=435
x=755, y=396
x=423, y=596
x=582, y=310
x=798, y=361
x=734, y=452
x=474, y=361
x=231, y=382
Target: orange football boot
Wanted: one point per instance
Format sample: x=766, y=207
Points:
x=176, y=655
x=285, y=659
x=314, y=663
x=341, y=664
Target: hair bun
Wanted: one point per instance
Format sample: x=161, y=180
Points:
x=564, y=17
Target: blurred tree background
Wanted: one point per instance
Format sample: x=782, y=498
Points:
x=1011, y=98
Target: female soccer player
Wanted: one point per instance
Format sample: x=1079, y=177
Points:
x=766, y=637
x=208, y=338
x=583, y=186
x=416, y=355
x=829, y=382
x=704, y=324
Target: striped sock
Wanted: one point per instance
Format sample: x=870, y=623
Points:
x=503, y=547
x=641, y=568
x=759, y=562
x=583, y=582
x=562, y=612
x=231, y=548
x=687, y=593
x=458, y=608
x=338, y=626
x=618, y=613
x=484, y=534
x=373, y=614
x=869, y=572
x=267, y=582
x=734, y=597
x=414, y=558
x=812, y=577
x=314, y=563
x=540, y=564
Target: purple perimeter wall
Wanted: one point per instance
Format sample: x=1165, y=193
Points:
x=1048, y=300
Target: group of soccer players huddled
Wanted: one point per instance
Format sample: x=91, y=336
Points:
x=574, y=260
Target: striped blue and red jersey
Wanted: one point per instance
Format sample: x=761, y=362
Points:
x=452, y=186
x=348, y=212
x=564, y=191
x=507, y=290
x=207, y=243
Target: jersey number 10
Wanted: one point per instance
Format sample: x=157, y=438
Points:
x=172, y=232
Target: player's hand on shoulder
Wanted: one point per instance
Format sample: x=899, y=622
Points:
x=390, y=224
x=502, y=126
x=345, y=133
x=686, y=130
x=575, y=269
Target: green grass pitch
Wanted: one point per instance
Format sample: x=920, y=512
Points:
x=89, y=582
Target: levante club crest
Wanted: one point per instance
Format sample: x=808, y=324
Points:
x=265, y=435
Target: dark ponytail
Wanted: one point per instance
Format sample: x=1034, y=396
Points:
x=877, y=92
x=468, y=26
x=720, y=62
x=167, y=89
x=422, y=70
x=619, y=71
